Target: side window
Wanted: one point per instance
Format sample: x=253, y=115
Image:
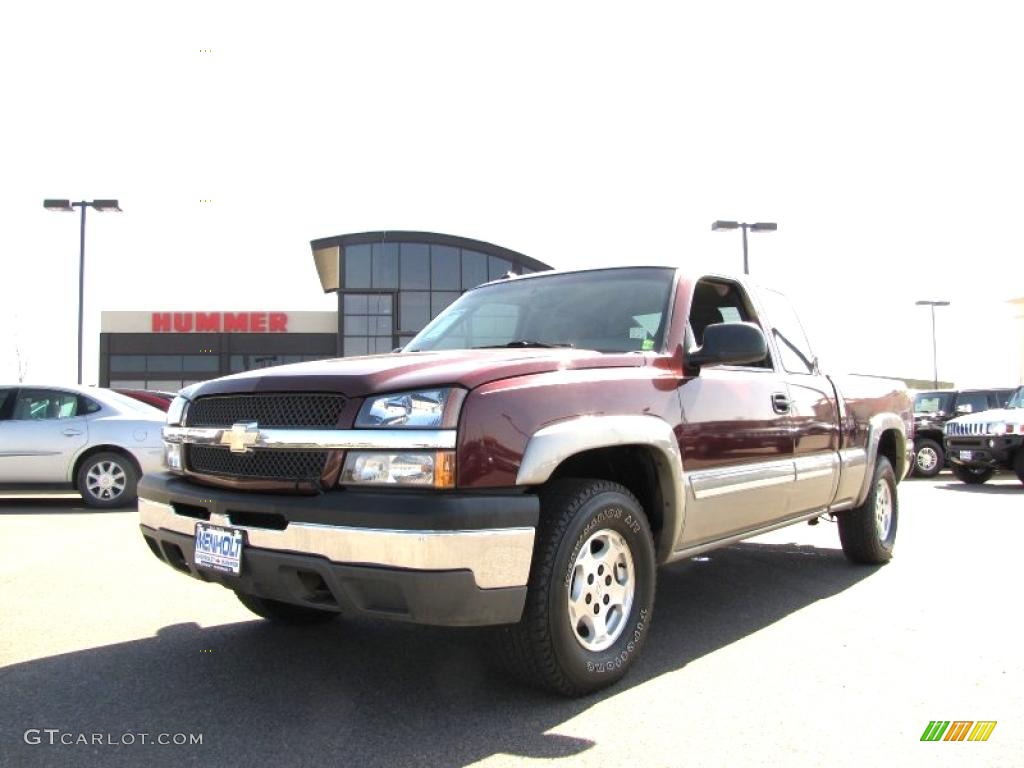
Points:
x=5, y=403
x=719, y=301
x=971, y=402
x=39, y=404
x=85, y=405
x=795, y=351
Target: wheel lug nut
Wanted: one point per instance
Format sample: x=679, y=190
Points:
x=597, y=608
x=606, y=599
x=600, y=570
x=608, y=580
x=590, y=579
x=589, y=598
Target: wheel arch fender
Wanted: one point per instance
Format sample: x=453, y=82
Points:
x=551, y=446
x=886, y=435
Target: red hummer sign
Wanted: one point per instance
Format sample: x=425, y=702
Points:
x=220, y=322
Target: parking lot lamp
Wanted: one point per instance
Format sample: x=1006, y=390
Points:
x=66, y=206
x=761, y=226
x=935, y=363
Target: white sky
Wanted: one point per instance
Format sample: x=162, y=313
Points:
x=884, y=138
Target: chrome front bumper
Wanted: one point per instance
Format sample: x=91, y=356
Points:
x=497, y=557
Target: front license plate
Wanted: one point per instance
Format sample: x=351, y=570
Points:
x=965, y=455
x=219, y=549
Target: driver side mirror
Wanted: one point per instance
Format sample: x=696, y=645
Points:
x=729, y=344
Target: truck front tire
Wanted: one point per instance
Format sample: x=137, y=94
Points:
x=283, y=613
x=591, y=590
x=868, y=533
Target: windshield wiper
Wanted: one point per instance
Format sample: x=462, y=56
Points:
x=524, y=343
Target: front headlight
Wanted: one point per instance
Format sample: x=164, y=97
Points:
x=176, y=411
x=433, y=469
x=997, y=428
x=422, y=409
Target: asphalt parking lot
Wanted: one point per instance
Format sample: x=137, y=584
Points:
x=775, y=651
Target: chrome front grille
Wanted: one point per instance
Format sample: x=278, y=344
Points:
x=286, y=410
x=955, y=429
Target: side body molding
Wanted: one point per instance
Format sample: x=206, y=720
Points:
x=879, y=424
x=555, y=443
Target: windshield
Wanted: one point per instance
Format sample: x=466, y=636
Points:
x=933, y=402
x=1017, y=401
x=613, y=310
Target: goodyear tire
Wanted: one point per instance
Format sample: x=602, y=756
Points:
x=106, y=480
x=868, y=533
x=591, y=590
x=283, y=613
x=972, y=476
x=929, y=458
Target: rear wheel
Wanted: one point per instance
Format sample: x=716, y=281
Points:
x=868, y=533
x=591, y=590
x=283, y=613
x=972, y=475
x=107, y=480
x=928, y=458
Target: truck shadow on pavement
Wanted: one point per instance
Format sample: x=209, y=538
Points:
x=366, y=692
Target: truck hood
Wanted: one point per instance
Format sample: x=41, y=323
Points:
x=1014, y=415
x=396, y=372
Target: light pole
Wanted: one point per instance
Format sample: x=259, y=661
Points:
x=67, y=206
x=935, y=363
x=761, y=226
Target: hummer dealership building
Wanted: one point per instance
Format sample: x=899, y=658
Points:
x=389, y=286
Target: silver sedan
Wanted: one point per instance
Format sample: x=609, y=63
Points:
x=92, y=440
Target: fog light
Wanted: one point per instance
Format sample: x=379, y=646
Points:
x=991, y=443
x=172, y=456
x=420, y=468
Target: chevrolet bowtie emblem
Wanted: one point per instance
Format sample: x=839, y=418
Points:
x=240, y=437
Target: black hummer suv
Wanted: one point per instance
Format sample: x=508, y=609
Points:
x=931, y=412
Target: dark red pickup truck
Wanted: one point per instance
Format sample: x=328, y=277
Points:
x=527, y=461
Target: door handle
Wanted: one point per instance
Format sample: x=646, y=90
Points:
x=69, y=432
x=780, y=402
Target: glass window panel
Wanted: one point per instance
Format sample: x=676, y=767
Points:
x=441, y=299
x=39, y=404
x=201, y=363
x=127, y=384
x=413, y=309
x=474, y=269
x=445, y=274
x=403, y=340
x=355, y=303
x=385, y=265
x=382, y=344
x=497, y=267
x=355, y=345
x=163, y=363
x=415, y=265
x=355, y=325
x=127, y=363
x=971, y=402
x=167, y=385
x=237, y=363
x=357, y=266
x=380, y=304
x=382, y=326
